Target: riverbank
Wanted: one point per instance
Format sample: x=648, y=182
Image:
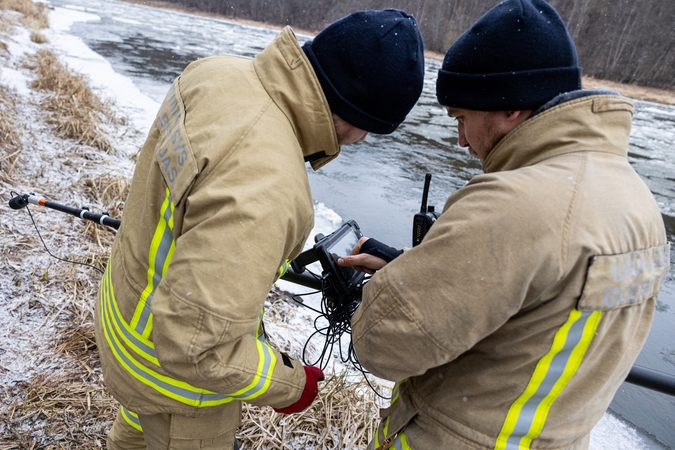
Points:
x=57, y=129
x=663, y=96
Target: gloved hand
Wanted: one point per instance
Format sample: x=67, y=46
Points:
x=382, y=251
x=313, y=375
x=369, y=255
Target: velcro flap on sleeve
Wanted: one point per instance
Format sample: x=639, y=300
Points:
x=174, y=153
x=617, y=281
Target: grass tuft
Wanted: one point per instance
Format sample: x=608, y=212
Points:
x=344, y=416
x=34, y=15
x=38, y=38
x=10, y=142
x=76, y=112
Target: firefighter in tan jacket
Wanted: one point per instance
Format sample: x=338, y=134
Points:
x=219, y=201
x=514, y=322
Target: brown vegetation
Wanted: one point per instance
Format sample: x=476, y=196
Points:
x=33, y=15
x=76, y=111
x=9, y=135
x=38, y=38
x=68, y=407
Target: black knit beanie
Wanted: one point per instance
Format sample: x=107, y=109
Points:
x=371, y=67
x=517, y=56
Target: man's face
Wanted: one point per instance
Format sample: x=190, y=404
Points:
x=346, y=133
x=478, y=130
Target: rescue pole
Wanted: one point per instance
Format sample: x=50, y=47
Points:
x=21, y=201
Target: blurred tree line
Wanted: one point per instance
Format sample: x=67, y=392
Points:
x=620, y=40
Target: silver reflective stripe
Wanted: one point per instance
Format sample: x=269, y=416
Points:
x=528, y=413
x=131, y=418
x=159, y=258
x=118, y=333
x=153, y=379
x=141, y=347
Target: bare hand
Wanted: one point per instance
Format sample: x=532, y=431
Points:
x=362, y=262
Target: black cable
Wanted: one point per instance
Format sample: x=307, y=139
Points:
x=337, y=313
x=45, y=245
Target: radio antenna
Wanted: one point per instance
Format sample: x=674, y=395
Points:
x=425, y=192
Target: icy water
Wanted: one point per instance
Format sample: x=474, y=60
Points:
x=379, y=182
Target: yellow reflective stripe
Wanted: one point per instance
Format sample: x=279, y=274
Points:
x=140, y=345
x=401, y=442
x=261, y=382
x=175, y=389
x=283, y=269
x=395, y=391
x=117, y=333
x=527, y=415
x=161, y=250
x=126, y=339
x=131, y=418
x=260, y=330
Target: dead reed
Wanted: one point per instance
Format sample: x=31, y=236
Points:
x=58, y=412
x=76, y=112
x=34, y=14
x=344, y=416
x=38, y=38
x=10, y=142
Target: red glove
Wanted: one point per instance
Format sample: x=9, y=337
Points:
x=313, y=375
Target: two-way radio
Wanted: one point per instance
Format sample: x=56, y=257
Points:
x=424, y=219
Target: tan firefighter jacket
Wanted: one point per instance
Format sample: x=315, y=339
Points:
x=514, y=322
x=219, y=201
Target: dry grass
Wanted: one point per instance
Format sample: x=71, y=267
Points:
x=38, y=38
x=6, y=24
x=76, y=112
x=59, y=411
x=71, y=409
x=10, y=142
x=34, y=15
x=109, y=191
x=344, y=416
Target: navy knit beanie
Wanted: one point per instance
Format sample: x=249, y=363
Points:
x=517, y=56
x=371, y=67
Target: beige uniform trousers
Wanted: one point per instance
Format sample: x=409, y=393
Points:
x=172, y=432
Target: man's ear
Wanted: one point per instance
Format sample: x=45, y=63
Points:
x=515, y=118
x=511, y=119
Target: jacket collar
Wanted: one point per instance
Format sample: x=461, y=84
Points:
x=598, y=123
x=289, y=79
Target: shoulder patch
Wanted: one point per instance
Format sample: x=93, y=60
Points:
x=173, y=152
x=617, y=281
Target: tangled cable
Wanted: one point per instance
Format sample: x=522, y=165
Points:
x=333, y=321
